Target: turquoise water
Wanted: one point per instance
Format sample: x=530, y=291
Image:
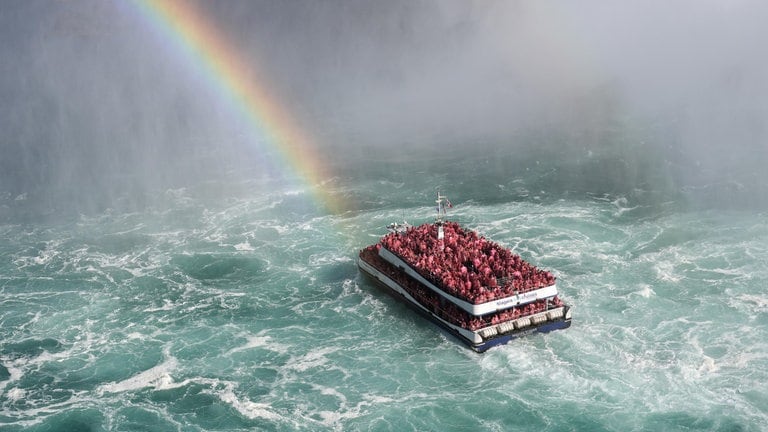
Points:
x=247, y=312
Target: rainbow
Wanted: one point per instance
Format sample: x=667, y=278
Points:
x=240, y=85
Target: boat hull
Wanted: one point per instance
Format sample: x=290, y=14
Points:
x=471, y=339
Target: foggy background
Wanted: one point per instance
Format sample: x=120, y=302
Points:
x=667, y=99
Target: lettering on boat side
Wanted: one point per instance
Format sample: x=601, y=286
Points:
x=518, y=298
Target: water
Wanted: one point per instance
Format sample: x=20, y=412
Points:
x=247, y=312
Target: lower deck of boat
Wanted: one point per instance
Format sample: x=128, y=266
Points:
x=489, y=341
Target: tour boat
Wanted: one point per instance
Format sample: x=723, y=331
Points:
x=473, y=288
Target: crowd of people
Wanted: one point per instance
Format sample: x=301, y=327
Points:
x=446, y=310
x=464, y=264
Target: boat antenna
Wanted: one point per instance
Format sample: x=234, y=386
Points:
x=442, y=209
x=443, y=204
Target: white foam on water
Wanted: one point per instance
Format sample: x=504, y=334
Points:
x=665, y=268
x=376, y=399
x=246, y=407
x=756, y=302
x=330, y=391
x=389, y=183
x=167, y=306
x=621, y=206
x=708, y=366
x=244, y=246
x=282, y=229
x=325, y=258
x=157, y=377
x=313, y=359
x=646, y=291
x=15, y=371
x=260, y=340
x=15, y=394
x=34, y=415
x=335, y=418
x=83, y=346
x=43, y=257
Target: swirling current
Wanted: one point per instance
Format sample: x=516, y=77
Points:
x=249, y=313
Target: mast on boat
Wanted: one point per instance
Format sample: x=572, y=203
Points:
x=442, y=205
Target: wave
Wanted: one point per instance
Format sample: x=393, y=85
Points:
x=230, y=312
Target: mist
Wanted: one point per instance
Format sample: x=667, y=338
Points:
x=601, y=97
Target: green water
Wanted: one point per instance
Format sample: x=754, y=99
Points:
x=247, y=312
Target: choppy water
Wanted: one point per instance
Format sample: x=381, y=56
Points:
x=248, y=313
